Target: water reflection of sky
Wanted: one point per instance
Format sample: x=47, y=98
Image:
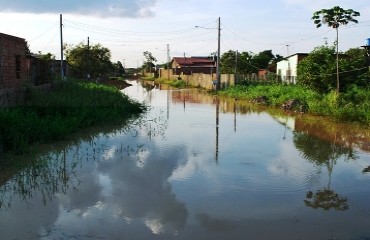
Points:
x=161, y=179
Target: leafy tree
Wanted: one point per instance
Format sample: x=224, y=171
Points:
x=149, y=59
x=93, y=60
x=316, y=71
x=227, y=62
x=335, y=17
x=353, y=68
x=263, y=59
x=244, y=62
x=119, y=70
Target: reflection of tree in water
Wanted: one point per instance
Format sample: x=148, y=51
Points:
x=326, y=199
x=322, y=153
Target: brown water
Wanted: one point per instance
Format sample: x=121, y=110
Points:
x=195, y=167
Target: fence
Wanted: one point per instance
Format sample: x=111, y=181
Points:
x=202, y=80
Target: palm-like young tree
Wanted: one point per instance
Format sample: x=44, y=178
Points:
x=335, y=17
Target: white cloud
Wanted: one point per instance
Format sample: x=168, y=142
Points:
x=108, y=8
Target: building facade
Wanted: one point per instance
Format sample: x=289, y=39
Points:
x=286, y=69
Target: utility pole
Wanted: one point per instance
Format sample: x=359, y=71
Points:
x=168, y=61
x=236, y=66
x=61, y=48
x=88, y=58
x=218, y=84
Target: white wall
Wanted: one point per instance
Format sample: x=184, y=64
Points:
x=287, y=69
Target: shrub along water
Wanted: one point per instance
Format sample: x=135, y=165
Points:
x=71, y=106
x=350, y=106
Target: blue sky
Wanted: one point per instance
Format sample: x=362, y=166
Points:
x=130, y=27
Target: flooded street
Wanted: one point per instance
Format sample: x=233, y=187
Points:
x=195, y=167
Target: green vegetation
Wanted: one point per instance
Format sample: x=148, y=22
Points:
x=70, y=107
x=247, y=63
x=93, y=60
x=333, y=18
x=173, y=83
x=318, y=70
x=349, y=106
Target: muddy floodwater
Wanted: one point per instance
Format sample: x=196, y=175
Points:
x=194, y=167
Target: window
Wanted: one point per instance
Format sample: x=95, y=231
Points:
x=18, y=66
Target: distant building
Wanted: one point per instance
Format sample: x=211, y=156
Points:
x=189, y=65
x=286, y=69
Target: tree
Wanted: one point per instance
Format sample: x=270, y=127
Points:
x=93, y=60
x=316, y=70
x=353, y=68
x=335, y=17
x=228, y=62
x=149, y=59
x=119, y=70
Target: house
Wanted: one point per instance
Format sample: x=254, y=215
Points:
x=14, y=64
x=189, y=65
x=286, y=69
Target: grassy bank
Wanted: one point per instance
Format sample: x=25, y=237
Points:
x=71, y=106
x=171, y=82
x=350, y=106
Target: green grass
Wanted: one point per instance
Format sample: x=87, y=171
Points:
x=70, y=107
x=171, y=82
x=350, y=106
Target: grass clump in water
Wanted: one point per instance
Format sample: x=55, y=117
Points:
x=68, y=108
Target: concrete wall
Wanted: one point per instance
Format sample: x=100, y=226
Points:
x=207, y=81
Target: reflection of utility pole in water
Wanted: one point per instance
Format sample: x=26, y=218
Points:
x=286, y=124
x=168, y=103
x=234, y=115
x=217, y=125
x=64, y=174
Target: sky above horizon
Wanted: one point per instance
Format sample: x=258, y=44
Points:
x=130, y=27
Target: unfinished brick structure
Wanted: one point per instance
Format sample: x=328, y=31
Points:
x=13, y=61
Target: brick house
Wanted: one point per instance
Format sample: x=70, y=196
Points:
x=14, y=64
x=189, y=65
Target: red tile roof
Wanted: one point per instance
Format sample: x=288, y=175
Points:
x=193, y=61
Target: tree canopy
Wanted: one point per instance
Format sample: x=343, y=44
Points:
x=84, y=60
x=247, y=62
x=335, y=17
x=149, y=59
x=318, y=70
